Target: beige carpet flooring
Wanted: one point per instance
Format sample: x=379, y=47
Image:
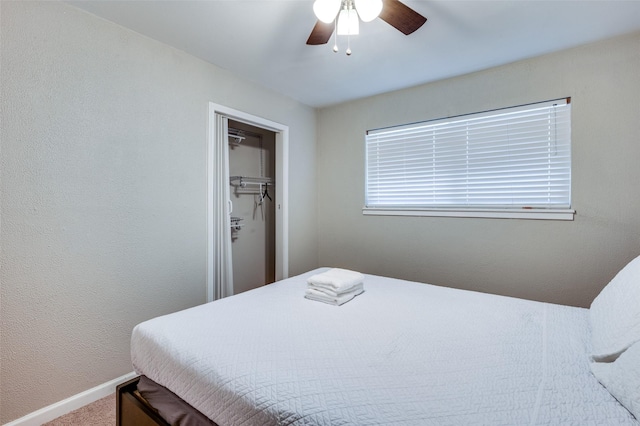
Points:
x=99, y=413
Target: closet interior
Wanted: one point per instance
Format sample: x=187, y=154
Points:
x=252, y=189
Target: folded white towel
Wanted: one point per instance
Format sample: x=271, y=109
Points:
x=337, y=280
x=332, y=300
x=329, y=291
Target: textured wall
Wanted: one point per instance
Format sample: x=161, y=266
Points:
x=103, y=202
x=556, y=261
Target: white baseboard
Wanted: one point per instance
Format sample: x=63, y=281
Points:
x=74, y=402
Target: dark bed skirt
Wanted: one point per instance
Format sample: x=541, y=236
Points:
x=142, y=402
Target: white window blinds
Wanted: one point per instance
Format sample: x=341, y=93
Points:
x=510, y=158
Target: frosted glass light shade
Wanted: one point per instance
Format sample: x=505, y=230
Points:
x=326, y=10
x=368, y=9
x=348, y=22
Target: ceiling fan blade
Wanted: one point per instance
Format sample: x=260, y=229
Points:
x=321, y=33
x=402, y=17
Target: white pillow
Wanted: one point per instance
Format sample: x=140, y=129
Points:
x=615, y=314
x=622, y=378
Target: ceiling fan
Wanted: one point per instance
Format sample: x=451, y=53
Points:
x=333, y=14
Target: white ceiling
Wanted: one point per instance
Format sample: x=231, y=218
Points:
x=264, y=40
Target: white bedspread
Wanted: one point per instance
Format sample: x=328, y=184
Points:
x=401, y=353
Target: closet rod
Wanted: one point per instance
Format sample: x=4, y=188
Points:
x=239, y=132
x=251, y=180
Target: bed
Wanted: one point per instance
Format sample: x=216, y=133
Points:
x=401, y=353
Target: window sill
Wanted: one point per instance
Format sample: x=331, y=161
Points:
x=536, y=214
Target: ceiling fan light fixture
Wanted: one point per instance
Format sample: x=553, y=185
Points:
x=368, y=9
x=326, y=10
x=342, y=17
x=348, y=22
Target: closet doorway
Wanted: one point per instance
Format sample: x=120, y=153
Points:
x=252, y=160
x=225, y=202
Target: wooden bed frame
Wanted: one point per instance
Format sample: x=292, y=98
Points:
x=132, y=409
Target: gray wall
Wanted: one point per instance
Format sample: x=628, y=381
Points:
x=103, y=202
x=555, y=261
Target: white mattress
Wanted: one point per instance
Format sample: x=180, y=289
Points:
x=402, y=353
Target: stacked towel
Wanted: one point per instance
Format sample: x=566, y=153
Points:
x=336, y=286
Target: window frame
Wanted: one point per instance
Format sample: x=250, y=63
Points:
x=517, y=212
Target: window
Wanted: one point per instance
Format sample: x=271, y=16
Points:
x=512, y=162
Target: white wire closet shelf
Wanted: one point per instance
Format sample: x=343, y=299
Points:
x=235, y=223
x=243, y=181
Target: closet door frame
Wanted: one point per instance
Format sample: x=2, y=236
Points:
x=282, y=186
